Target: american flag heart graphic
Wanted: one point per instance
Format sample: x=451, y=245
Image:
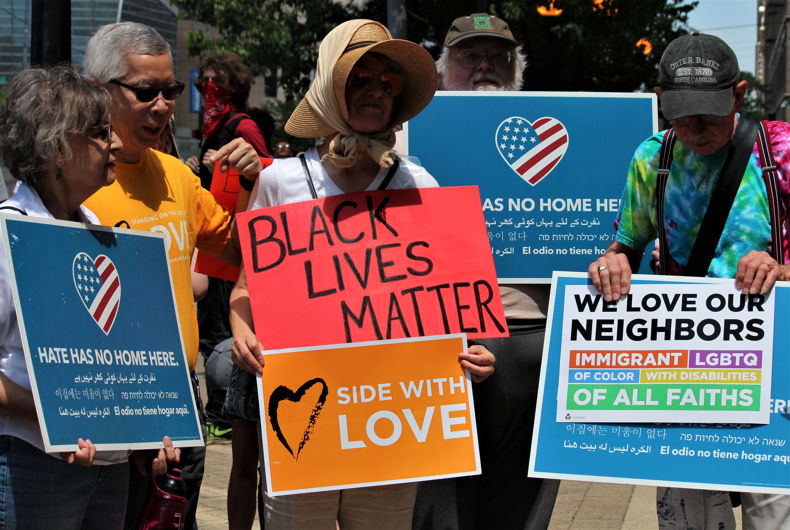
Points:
x=532, y=150
x=99, y=287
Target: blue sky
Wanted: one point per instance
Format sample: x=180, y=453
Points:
x=734, y=21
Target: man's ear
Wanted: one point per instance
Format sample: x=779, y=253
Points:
x=739, y=92
x=657, y=90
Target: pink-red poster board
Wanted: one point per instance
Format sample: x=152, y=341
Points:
x=371, y=266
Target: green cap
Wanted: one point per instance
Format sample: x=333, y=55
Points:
x=478, y=25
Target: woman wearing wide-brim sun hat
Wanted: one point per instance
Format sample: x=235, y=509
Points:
x=366, y=85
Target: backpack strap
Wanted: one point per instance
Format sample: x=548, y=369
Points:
x=771, y=179
x=664, y=165
x=384, y=183
x=235, y=120
x=307, y=176
x=391, y=173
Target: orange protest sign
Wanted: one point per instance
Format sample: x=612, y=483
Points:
x=371, y=266
x=225, y=189
x=365, y=414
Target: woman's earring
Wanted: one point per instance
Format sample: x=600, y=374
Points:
x=58, y=174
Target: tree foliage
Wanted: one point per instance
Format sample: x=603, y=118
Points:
x=591, y=45
x=277, y=39
x=754, y=103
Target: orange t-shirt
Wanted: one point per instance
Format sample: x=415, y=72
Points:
x=161, y=194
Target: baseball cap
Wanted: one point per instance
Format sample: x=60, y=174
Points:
x=696, y=74
x=478, y=25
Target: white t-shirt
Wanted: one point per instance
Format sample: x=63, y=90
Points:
x=12, y=356
x=284, y=181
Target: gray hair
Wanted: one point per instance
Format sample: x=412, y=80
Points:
x=106, y=50
x=43, y=108
x=443, y=62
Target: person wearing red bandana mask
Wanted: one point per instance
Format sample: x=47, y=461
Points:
x=224, y=82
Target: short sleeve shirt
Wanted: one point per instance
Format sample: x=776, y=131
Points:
x=689, y=188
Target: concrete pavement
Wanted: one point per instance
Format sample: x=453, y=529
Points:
x=579, y=506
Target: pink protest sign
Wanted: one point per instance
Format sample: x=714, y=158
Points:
x=371, y=266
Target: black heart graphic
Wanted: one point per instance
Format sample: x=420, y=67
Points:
x=284, y=393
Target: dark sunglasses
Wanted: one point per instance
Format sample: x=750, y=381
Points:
x=360, y=78
x=144, y=94
x=202, y=80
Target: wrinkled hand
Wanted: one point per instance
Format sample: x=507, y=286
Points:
x=757, y=272
x=240, y=155
x=611, y=275
x=479, y=361
x=193, y=164
x=246, y=351
x=157, y=461
x=82, y=456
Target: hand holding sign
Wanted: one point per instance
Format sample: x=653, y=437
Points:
x=478, y=361
x=757, y=273
x=611, y=273
x=82, y=456
x=241, y=156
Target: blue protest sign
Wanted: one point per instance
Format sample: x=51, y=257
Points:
x=195, y=98
x=738, y=457
x=100, y=331
x=550, y=167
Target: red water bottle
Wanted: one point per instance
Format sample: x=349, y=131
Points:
x=168, y=504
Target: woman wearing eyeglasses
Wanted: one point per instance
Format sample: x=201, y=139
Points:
x=366, y=85
x=57, y=139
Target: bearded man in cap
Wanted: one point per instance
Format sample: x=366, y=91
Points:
x=480, y=53
x=668, y=192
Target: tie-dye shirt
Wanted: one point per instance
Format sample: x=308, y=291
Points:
x=689, y=188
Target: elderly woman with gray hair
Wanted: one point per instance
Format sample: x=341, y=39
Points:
x=56, y=137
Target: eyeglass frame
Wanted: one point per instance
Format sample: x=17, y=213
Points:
x=106, y=128
x=461, y=55
x=177, y=85
x=217, y=79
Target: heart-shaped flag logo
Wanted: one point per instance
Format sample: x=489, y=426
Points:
x=532, y=150
x=283, y=393
x=99, y=287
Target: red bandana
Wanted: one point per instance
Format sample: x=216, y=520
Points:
x=219, y=103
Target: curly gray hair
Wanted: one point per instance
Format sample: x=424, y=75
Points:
x=106, y=50
x=518, y=74
x=44, y=106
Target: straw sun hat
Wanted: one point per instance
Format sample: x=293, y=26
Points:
x=339, y=51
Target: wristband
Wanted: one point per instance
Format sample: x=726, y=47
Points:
x=246, y=183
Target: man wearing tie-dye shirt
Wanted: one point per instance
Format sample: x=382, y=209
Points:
x=701, y=93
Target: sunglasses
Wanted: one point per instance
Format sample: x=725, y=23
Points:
x=144, y=94
x=472, y=58
x=360, y=78
x=203, y=80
